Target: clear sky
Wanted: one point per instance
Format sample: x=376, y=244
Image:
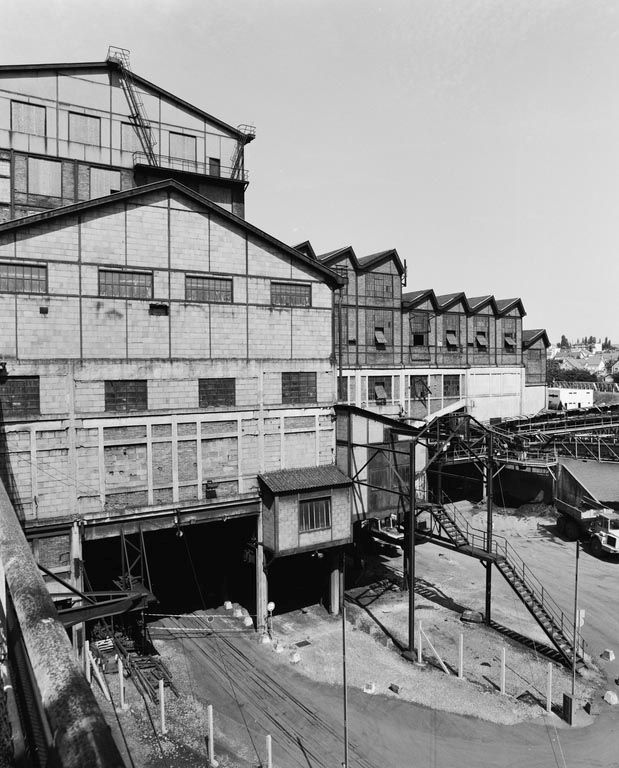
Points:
x=478, y=137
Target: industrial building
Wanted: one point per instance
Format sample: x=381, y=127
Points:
x=169, y=369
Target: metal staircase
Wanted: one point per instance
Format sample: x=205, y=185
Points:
x=248, y=134
x=137, y=111
x=463, y=537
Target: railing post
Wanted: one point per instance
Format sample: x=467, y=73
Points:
x=164, y=730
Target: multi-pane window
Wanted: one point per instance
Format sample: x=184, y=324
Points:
x=420, y=323
x=481, y=334
x=23, y=278
x=216, y=393
x=291, y=295
x=129, y=139
x=378, y=329
x=379, y=389
x=509, y=334
x=123, y=284
x=122, y=395
x=314, y=514
x=27, y=118
x=44, y=177
x=299, y=387
x=209, y=289
x=85, y=129
x=419, y=388
x=379, y=286
x=452, y=331
x=19, y=396
x=451, y=385
x=103, y=182
x=5, y=181
x=182, y=146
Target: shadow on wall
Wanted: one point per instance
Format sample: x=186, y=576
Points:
x=6, y=470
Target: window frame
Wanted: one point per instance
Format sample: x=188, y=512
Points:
x=290, y=388
x=203, y=400
x=417, y=318
x=206, y=289
x=35, y=106
x=323, y=520
x=109, y=395
x=15, y=265
x=450, y=379
x=379, y=285
x=278, y=301
x=52, y=162
x=383, y=382
x=120, y=271
x=8, y=408
x=193, y=159
x=88, y=117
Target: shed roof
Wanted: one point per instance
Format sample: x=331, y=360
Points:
x=304, y=479
x=598, y=478
x=530, y=337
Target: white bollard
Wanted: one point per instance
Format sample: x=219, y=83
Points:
x=461, y=657
x=419, y=646
x=87, y=671
x=503, y=670
x=164, y=730
x=121, y=683
x=269, y=752
x=549, y=689
x=211, y=738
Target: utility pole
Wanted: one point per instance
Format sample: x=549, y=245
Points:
x=489, y=499
x=575, y=620
x=409, y=549
x=343, y=612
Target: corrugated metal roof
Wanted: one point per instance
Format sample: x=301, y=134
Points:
x=599, y=478
x=304, y=479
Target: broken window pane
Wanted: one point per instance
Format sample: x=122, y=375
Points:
x=122, y=284
x=19, y=396
x=208, y=289
x=291, y=295
x=124, y=395
x=299, y=387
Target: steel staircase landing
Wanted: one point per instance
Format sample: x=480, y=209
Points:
x=557, y=626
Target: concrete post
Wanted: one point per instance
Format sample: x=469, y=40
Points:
x=461, y=657
x=164, y=730
x=121, y=683
x=261, y=580
x=269, y=752
x=549, y=689
x=78, y=631
x=211, y=737
x=334, y=584
x=503, y=670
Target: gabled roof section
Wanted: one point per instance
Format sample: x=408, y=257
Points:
x=530, y=337
x=304, y=479
x=367, y=263
x=112, y=66
x=333, y=256
x=448, y=300
x=306, y=249
x=56, y=214
x=505, y=305
x=477, y=303
x=413, y=299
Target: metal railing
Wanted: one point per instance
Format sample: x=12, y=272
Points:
x=193, y=166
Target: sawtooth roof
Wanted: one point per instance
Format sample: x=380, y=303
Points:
x=304, y=479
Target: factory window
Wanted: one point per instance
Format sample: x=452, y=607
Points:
x=124, y=395
x=183, y=147
x=23, y=278
x=291, y=295
x=5, y=181
x=208, y=289
x=44, y=177
x=84, y=129
x=103, y=182
x=216, y=393
x=452, y=332
x=214, y=166
x=509, y=335
x=451, y=386
x=314, y=514
x=419, y=388
x=121, y=284
x=129, y=139
x=378, y=328
x=420, y=323
x=481, y=340
x=379, y=389
x=27, y=118
x=19, y=396
x=299, y=387
x=379, y=286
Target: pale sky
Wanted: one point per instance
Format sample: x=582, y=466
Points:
x=478, y=137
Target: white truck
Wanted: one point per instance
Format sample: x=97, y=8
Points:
x=598, y=525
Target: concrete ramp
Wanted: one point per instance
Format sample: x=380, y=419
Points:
x=588, y=481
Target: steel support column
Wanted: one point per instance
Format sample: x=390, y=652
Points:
x=489, y=499
x=411, y=548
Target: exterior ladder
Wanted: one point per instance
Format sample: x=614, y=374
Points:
x=137, y=111
x=248, y=133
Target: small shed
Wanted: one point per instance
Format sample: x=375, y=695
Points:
x=305, y=508
x=588, y=483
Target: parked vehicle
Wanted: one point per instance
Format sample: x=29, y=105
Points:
x=598, y=525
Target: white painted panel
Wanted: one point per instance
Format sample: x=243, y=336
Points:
x=44, y=177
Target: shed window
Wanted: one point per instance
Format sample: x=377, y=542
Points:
x=122, y=395
x=379, y=337
x=419, y=388
x=451, y=338
x=379, y=286
x=291, y=295
x=122, y=284
x=208, y=289
x=23, y=278
x=5, y=181
x=84, y=128
x=216, y=393
x=44, y=177
x=509, y=342
x=299, y=387
x=379, y=389
x=182, y=147
x=451, y=386
x=19, y=396
x=27, y=118
x=481, y=340
x=314, y=514
x=419, y=324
